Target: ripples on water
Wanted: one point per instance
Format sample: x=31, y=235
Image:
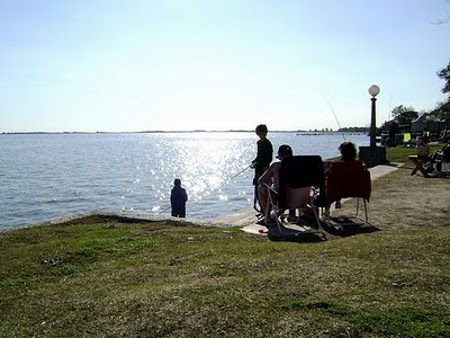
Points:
x=47, y=176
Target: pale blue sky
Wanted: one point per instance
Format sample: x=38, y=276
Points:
x=133, y=65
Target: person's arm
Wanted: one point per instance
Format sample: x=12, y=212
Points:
x=266, y=177
x=258, y=154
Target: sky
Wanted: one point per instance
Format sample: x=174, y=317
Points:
x=113, y=65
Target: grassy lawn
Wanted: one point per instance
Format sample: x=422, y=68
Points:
x=400, y=154
x=98, y=277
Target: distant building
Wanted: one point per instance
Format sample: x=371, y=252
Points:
x=431, y=122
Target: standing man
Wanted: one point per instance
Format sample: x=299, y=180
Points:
x=392, y=135
x=262, y=160
x=178, y=199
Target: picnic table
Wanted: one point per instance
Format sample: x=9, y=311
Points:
x=418, y=162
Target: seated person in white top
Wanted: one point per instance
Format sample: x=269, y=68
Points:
x=271, y=178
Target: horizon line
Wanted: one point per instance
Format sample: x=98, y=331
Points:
x=324, y=130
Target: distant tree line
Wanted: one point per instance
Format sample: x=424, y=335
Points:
x=354, y=130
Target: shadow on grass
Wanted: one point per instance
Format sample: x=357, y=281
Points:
x=343, y=227
x=288, y=235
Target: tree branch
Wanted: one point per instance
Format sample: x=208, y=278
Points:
x=444, y=20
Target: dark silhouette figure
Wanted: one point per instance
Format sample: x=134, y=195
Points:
x=263, y=157
x=178, y=199
x=393, y=130
x=348, y=151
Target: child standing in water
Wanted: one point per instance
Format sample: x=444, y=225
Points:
x=178, y=199
x=263, y=158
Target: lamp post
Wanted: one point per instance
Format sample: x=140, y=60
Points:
x=373, y=155
x=374, y=90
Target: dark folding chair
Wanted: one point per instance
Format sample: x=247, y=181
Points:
x=296, y=177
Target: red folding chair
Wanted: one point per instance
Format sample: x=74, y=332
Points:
x=346, y=179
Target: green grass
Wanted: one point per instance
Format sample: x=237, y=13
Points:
x=400, y=153
x=98, y=277
x=105, y=278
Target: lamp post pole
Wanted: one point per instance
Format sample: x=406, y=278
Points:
x=373, y=128
x=373, y=91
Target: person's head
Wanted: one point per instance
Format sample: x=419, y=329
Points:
x=261, y=130
x=284, y=151
x=348, y=151
x=177, y=182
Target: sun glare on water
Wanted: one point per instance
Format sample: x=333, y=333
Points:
x=205, y=164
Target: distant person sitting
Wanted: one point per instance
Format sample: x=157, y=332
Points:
x=438, y=157
x=422, y=146
x=178, y=199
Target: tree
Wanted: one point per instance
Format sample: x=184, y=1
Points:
x=442, y=112
x=404, y=115
x=446, y=19
x=444, y=74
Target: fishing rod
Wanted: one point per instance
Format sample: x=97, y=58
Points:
x=335, y=117
x=240, y=172
x=164, y=210
x=255, y=197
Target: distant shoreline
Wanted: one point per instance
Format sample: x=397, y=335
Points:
x=308, y=132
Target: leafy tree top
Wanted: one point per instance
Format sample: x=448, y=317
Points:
x=444, y=74
x=401, y=113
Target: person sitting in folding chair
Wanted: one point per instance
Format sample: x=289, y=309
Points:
x=345, y=179
x=348, y=153
x=271, y=178
x=438, y=157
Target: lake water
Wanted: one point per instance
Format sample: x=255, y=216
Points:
x=47, y=176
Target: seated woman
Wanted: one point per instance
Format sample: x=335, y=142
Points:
x=423, y=146
x=348, y=153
